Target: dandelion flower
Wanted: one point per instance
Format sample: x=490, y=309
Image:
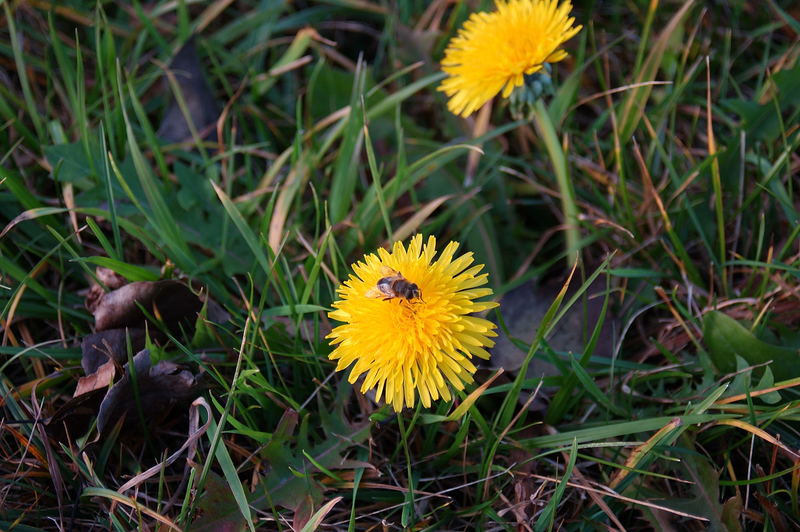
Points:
x=494, y=51
x=413, y=346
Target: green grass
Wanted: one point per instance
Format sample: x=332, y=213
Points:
x=674, y=125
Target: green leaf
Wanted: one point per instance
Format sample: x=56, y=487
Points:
x=726, y=338
x=635, y=273
x=71, y=164
x=128, y=271
x=218, y=508
x=247, y=233
x=594, y=390
x=32, y=214
x=635, y=103
x=624, y=428
x=345, y=174
x=761, y=122
x=225, y=462
x=22, y=194
x=293, y=310
x=548, y=515
x=767, y=381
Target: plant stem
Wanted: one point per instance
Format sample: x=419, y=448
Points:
x=546, y=129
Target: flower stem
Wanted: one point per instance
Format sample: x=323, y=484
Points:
x=408, y=508
x=546, y=129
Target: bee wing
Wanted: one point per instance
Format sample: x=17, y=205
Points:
x=387, y=271
x=374, y=293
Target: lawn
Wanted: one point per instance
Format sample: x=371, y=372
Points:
x=314, y=265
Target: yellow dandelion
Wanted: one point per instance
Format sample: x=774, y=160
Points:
x=494, y=51
x=421, y=341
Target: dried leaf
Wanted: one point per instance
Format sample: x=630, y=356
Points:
x=523, y=309
x=123, y=320
x=172, y=302
x=215, y=312
x=74, y=417
x=319, y=516
x=102, y=346
x=203, y=108
x=304, y=510
x=96, y=380
x=732, y=513
x=111, y=279
x=159, y=389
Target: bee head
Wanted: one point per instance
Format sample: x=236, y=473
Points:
x=414, y=291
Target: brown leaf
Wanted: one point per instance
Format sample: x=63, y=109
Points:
x=775, y=514
x=732, y=513
x=101, y=346
x=215, y=312
x=159, y=389
x=523, y=309
x=93, y=297
x=111, y=279
x=203, y=109
x=172, y=302
x=97, y=380
x=304, y=510
x=72, y=419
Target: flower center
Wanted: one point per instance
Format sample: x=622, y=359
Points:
x=418, y=324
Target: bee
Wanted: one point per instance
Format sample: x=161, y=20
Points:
x=393, y=285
